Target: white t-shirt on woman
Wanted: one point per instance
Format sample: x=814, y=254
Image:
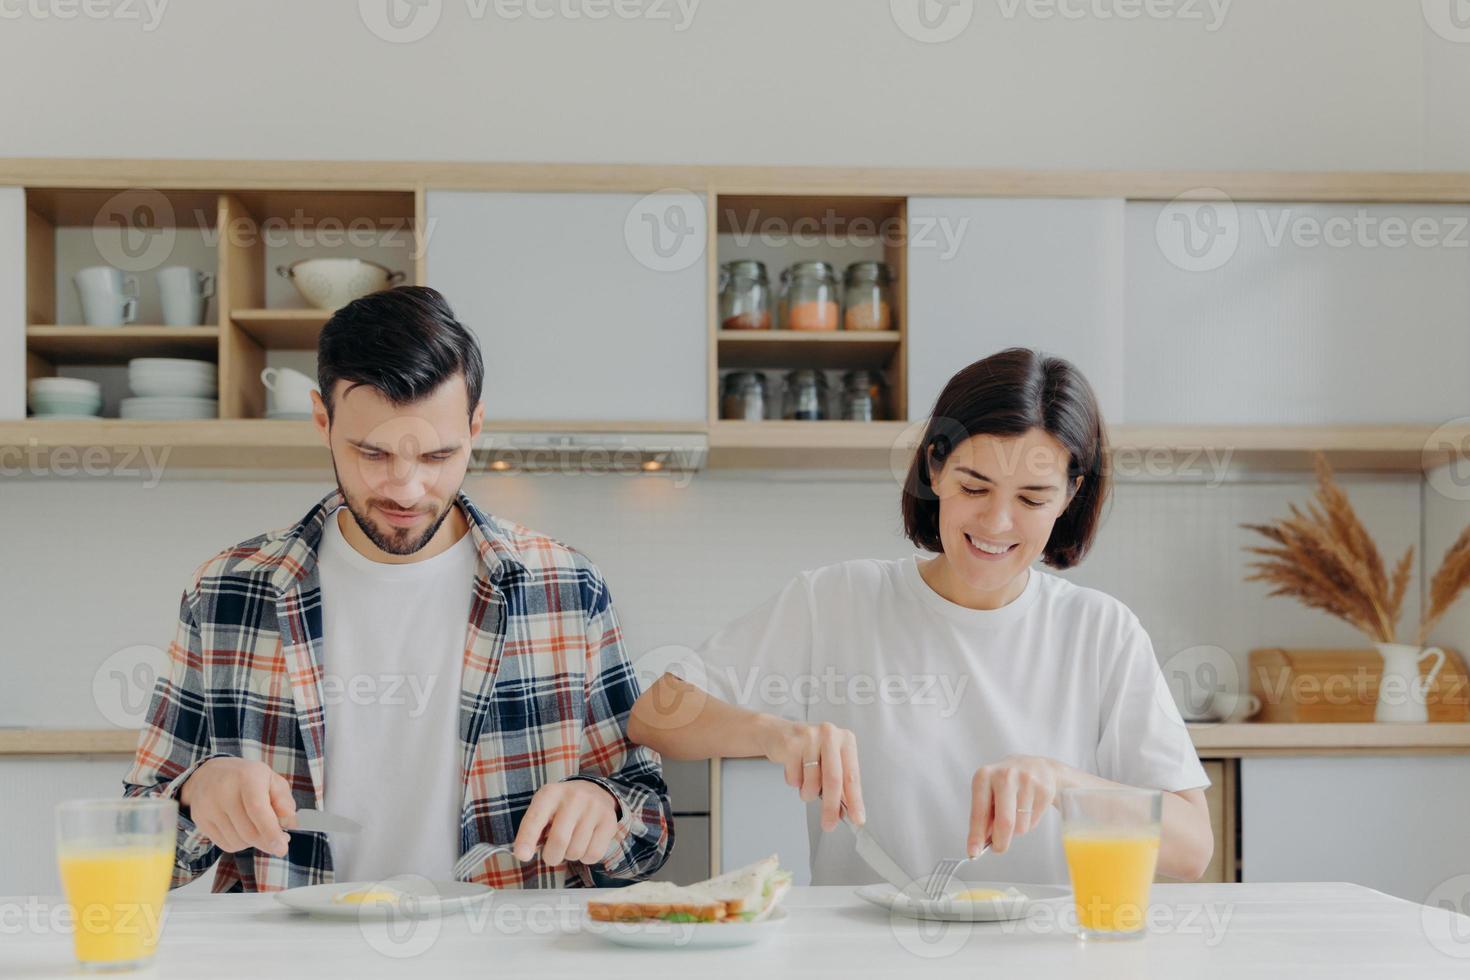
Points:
x=934, y=690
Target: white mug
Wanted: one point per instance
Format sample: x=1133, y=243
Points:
x=287, y=390
x=1231, y=707
x=184, y=293
x=109, y=298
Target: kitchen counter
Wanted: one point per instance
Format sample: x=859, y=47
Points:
x=1200, y=931
x=1227, y=741
x=1217, y=741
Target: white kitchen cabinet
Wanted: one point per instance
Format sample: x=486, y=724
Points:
x=12, y=303
x=1397, y=824
x=572, y=324
x=1297, y=314
x=761, y=815
x=987, y=273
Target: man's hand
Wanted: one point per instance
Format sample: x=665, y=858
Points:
x=1009, y=799
x=239, y=804
x=820, y=761
x=579, y=819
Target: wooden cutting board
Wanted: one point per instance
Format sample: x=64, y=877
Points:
x=1342, y=685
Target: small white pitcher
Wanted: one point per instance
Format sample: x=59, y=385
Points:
x=1401, y=691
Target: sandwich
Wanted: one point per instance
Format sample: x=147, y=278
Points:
x=747, y=894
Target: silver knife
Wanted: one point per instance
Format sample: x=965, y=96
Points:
x=877, y=858
x=322, y=822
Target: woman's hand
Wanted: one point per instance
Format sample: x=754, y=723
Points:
x=820, y=761
x=1009, y=798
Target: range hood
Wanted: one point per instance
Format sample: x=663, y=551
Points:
x=590, y=452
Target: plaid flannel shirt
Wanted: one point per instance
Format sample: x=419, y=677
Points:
x=546, y=692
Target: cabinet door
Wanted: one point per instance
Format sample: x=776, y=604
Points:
x=1259, y=314
x=1394, y=824
x=760, y=815
x=986, y=274
x=12, y=303
x=575, y=319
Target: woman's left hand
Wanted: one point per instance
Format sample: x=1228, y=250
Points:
x=1009, y=798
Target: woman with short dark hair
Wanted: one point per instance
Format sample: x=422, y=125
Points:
x=973, y=686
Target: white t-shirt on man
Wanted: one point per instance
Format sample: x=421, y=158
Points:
x=393, y=649
x=934, y=690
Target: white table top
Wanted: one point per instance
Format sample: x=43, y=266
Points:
x=1335, y=931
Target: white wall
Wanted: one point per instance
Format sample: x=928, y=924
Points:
x=1305, y=84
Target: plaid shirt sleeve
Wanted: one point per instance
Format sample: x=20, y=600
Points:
x=175, y=740
x=631, y=773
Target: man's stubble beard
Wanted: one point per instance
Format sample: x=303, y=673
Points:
x=397, y=541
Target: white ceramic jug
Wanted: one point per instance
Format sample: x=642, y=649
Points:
x=1401, y=691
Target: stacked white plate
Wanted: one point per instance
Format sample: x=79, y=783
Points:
x=168, y=408
x=65, y=398
x=171, y=388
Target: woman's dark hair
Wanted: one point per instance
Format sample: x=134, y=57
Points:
x=1008, y=394
x=403, y=342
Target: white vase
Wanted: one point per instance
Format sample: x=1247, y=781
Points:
x=1401, y=690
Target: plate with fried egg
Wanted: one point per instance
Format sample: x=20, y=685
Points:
x=967, y=902
x=409, y=896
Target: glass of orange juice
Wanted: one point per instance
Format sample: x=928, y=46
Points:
x=117, y=859
x=1111, y=838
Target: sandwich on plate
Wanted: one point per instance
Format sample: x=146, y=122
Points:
x=748, y=894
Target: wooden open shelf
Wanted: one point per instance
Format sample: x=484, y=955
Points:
x=838, y=349
x=282, y=329
x=795, y=226
x=116, y=345
x=249, y=217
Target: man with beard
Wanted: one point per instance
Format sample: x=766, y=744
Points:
x=451, y=681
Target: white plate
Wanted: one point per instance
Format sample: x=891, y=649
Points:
x=948, y=910
x=168, y=408
x=425, y=898
x=686, y=935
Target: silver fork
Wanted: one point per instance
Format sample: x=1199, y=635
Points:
x=944, y=873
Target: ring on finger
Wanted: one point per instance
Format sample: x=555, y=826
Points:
x=808, y=765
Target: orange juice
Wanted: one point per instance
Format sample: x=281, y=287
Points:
x=1111, y=874
x=116, y=895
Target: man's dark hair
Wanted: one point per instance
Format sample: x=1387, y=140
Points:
x=1008, y=394
x=402, y=342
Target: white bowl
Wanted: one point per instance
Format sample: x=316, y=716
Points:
x=175, y=386
x=169, y=364
x=70, y=387
x=168, y=408
x=332, y=283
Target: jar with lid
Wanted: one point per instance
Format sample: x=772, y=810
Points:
x=863, y=396
x=809, y=296
x=745, y=296
x=744, y=397
x=806, y=395
x=867, y=297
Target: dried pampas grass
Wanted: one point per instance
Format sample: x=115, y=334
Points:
x=1325, y=559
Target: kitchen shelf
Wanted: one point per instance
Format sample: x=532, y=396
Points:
x=67, y=741
x=1246, y=739
x=115, y=345
x=839, y=349
x=283, y=329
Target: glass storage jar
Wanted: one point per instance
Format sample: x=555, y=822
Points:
x=863, y=396
x=809, y=296
x=745, y=296
x=745, y=396
x=806, y=395
x=867, y=297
